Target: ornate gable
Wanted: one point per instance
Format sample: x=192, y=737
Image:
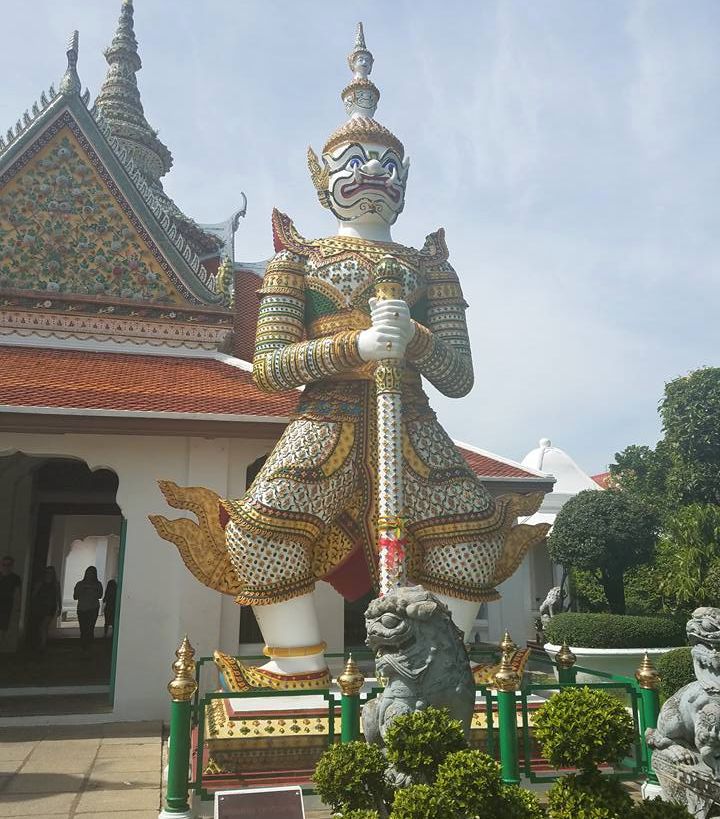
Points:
x=66, y=228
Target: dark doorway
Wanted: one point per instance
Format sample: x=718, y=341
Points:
x=57, y=518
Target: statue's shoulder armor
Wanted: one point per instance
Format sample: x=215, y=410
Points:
x=435, y=250
x=286, y=236
x=440, y=274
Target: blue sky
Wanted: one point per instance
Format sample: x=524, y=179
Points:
x=568, y=147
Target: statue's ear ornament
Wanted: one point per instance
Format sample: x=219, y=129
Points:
x=320, y=176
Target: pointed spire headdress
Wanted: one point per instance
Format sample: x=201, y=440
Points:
x=360, y=97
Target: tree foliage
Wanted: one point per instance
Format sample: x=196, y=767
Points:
x=690, y=414
x=607, y=533
x=643, y=472
x=690, y=551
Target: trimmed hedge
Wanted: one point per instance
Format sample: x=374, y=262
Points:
x=614, y=631
x=588, y=796
x=676, y=670
x=657, y=809
x=583, y=727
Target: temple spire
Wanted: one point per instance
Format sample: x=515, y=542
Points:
x=70, y=83
x=118, y=102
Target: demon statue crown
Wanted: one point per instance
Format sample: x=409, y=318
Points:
x=312, y=512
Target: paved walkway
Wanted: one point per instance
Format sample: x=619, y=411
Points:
x=85, y=771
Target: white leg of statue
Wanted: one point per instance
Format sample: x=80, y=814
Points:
x=287, y=626
x=464, y=613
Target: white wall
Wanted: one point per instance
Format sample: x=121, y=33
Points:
x=513, y=612
x=161, y=600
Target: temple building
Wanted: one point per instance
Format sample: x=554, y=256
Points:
x=570, y=479
x=126, y=332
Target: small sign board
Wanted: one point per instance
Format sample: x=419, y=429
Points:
x=260, y=803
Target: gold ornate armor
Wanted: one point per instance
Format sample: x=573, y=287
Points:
x=310, y=513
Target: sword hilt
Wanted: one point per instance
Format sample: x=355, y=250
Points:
x=388, y=279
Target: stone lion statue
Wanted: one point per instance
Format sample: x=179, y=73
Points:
x=421, y=655
x=686, y=741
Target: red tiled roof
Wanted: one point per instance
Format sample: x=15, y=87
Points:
x=75, y=379
x=603, y=479
x=486, y=467
x=247, y=304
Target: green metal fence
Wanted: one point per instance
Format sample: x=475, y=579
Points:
x=508, y=707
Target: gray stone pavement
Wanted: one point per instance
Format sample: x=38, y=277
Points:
x=85, y=771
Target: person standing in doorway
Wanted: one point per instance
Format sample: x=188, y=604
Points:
x=88, y=593
x=9, y=585
x=46, y=605
x=109, y=608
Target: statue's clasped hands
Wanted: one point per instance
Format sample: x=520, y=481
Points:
x=392, y=330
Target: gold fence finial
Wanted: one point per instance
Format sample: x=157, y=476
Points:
x=183, y=685
x=351, y=680
x=647, y=675
x=506, y=677
x=565, y=658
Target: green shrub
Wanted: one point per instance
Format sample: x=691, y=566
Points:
x=676, y=670
x=420, y=802
x=358, y=814
x=583, y=727
x=657, y=809
x=614, y=631
x=517, y=803
x=351, y=776
x=588, y=796
x=417, y=743
x=471, y=782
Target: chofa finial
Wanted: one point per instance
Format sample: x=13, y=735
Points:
x=70, y=83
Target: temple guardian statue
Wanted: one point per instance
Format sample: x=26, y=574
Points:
x=312, y=512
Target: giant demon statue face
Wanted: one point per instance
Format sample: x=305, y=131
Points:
x=361, y=181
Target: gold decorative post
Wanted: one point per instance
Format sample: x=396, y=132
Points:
x=350, y=682
x=565, y=661
x=507, y=681
x=507, y=678
x=649, y=682
x=182, y=688
x=183, y=685
x=647, y=675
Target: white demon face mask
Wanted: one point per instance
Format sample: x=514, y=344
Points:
x=366, y=180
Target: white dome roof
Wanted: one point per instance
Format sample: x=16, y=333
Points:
x=569, y=478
